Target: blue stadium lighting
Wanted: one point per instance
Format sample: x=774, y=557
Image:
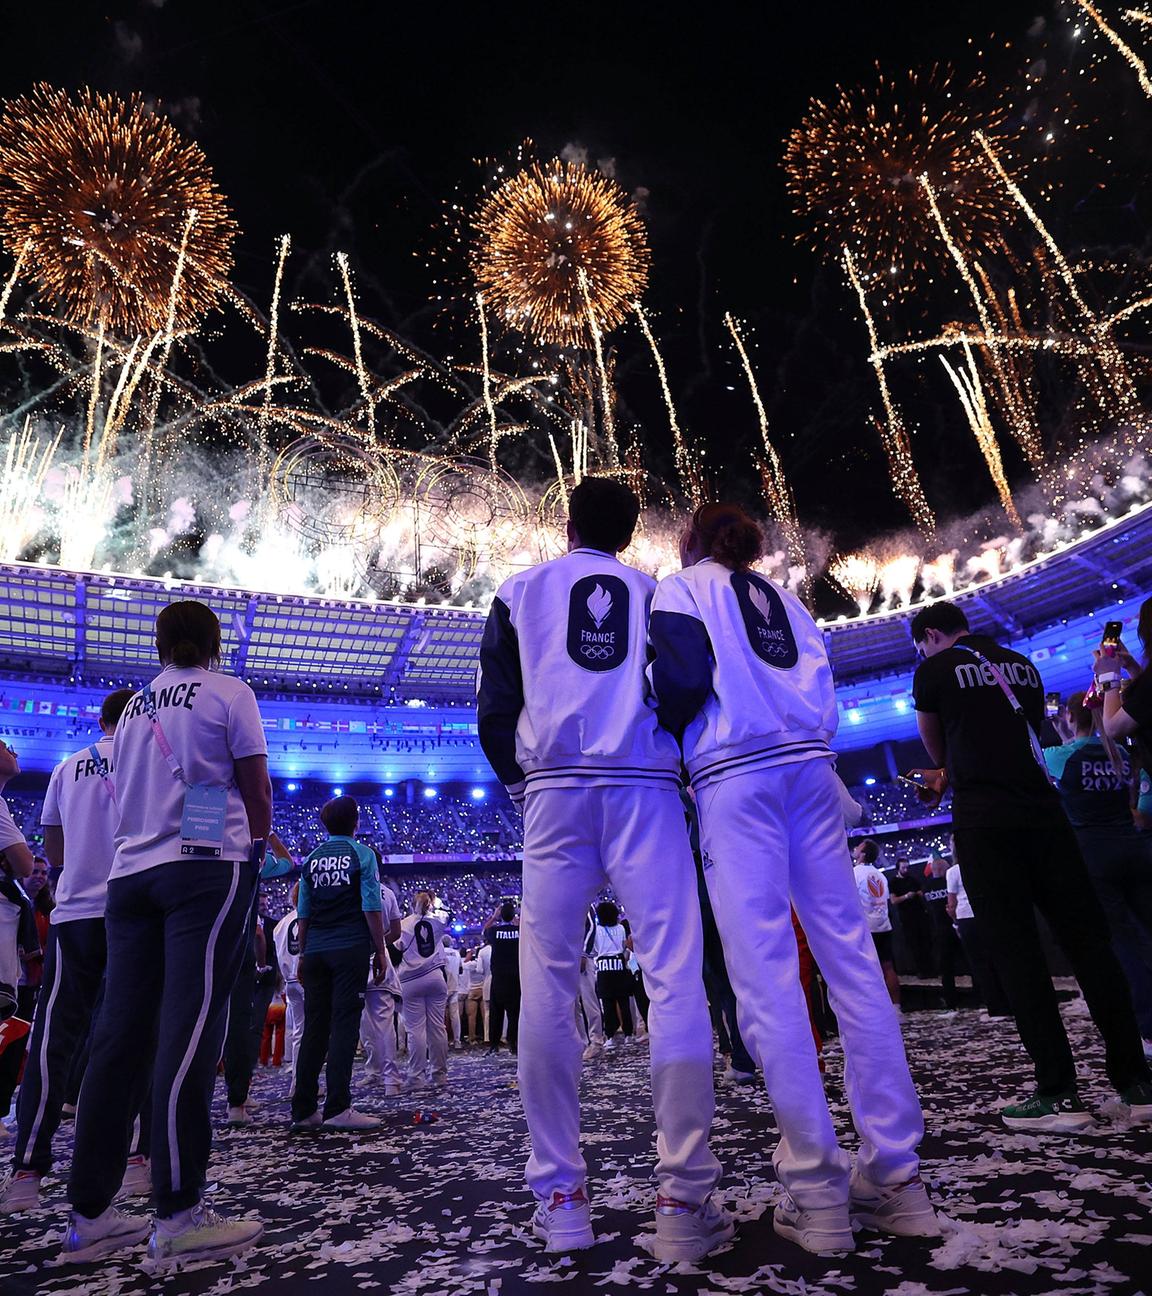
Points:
x=457, y=927
x=292, y=787
x=430, y=793
x=901, y=705
x=869, y=781
x=337, y=791
x=854, y=716
x=478, y=794
x=389, y=792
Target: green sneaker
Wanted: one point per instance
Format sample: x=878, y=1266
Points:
x=1139, y=1099
x=1062, y=1111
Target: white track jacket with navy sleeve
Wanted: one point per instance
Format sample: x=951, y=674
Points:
x=740, y=672
x=563, y=697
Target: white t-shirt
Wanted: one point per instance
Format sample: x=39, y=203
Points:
x=10, y=966
x=286, y=938
x=452, y=965
x=484, y=961
x=210, y=721
x=79, y=802
x=420, y=937
x=10, y=835
x=872, y=887
x=608, y=949
x=473, y=974
x=389, y=910
x=955, y=884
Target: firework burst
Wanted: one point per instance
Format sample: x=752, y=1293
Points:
x=560, y=253
x=97, y=192
x=854, y=168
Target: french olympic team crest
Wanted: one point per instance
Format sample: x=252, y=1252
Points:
x=765, y=620
x=598, y=623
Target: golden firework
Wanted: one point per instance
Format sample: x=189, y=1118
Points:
x=560, y=253
x=855, y=165
x=99, y=193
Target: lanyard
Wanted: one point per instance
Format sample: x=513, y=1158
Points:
x=158, y=733
x=1006, y=689
x=102, y=769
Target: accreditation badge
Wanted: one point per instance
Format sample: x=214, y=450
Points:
x=202, y=824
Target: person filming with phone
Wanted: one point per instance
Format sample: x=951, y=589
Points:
x=980, y=708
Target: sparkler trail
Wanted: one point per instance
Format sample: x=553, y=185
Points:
x=688, y=472
x=25, y=247
x=1022, y=426
x=893, y=434
x=489, y=407
x=270, y=366
x=608, y=422
x=1117, y=379
x=971, y=393
x=1135, y=62
x=777, y=492
x=361, y=372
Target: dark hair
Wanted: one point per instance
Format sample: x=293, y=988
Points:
x=607, y=915
x=1079, y=714
x=1144, y=629
x=869, y=850
x=727, y=534
x=340, y=816
x=186, y=633
x=507, y=911
x=113, y=706
x=603, y=513
x=945, y=617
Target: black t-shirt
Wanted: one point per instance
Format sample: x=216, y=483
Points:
x=1095, y=796
x=935, y=893
x=909, y=884
x=996, y=780
x=1137, y=701
x=505, y=941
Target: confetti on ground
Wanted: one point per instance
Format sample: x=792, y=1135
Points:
x=441, y=1210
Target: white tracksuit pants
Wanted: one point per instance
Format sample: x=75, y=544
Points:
x=293, y=1020
x=455, y=1004
x=591, y=1005
x=768, y=836
x=378, y=1031
x=424, y=999
x=635, y=838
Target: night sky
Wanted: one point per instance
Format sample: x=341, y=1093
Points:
x=349, y=125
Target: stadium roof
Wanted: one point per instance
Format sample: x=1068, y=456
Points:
x=85, y=626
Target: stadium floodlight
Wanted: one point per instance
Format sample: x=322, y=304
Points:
x=337, y=792
x=869, y=781
x=389, y=792
x=292, y=787
x=430, y=793
x=478, y=794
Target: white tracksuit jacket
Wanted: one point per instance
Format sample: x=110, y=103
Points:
x=604, y=732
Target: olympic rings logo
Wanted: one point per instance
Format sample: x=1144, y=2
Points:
x=598, y=652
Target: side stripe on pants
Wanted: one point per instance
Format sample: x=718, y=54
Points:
x=198, y=1029
x=34, y=1134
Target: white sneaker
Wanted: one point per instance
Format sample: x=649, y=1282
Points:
x=137, y=1181
x=686, y=1232
x=565, y=1222
x=21, y=1192
x=592, y=1051
x=613, y=1041
x=239, y=1116
x=200, y=1233
x=739, y=1077
x=824, y=1231
x=91, y=1239
x=902, y=1210
x=351, y=1119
